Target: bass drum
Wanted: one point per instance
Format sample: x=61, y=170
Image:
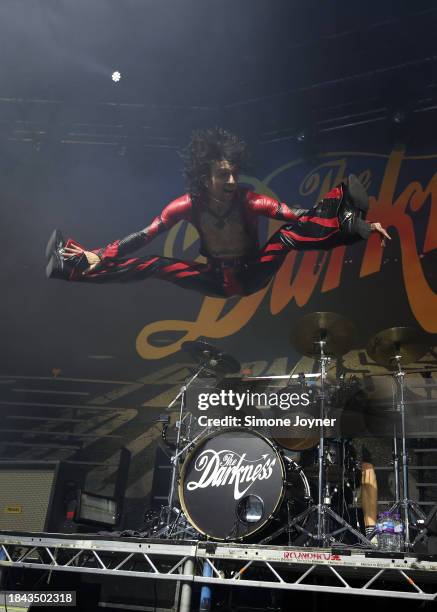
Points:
x=234, y=484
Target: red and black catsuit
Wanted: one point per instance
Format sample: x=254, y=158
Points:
x=235, y=265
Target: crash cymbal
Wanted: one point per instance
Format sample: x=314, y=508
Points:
x=406, y=342
x=211, y=357
x=335, y=330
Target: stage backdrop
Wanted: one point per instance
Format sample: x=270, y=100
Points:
x=107, y=358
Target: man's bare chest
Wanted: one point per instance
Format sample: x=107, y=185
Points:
x=224, y=235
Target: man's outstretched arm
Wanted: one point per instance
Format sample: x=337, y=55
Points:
x=174, y=212
x=272, y=209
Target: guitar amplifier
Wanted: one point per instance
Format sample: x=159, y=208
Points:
x=34, y=496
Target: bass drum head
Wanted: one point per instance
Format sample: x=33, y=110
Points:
x=231, y=483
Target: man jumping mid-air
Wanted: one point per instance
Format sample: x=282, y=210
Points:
x=226, y=218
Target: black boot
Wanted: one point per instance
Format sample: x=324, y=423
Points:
x=58, y=266
x=353, y=210
x=56, y=243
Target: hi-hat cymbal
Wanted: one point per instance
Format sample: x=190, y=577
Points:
x=337, y=332
x=406, y=342
x=211, y=357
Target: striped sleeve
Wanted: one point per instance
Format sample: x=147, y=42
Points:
x=273, y=209
x=178, y=210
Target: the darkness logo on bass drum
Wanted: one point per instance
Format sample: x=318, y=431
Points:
x=227, y=468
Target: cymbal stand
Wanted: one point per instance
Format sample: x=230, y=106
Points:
x=396, y=466
x=324, y=512
x=170, y=510
x=410, y=511
x=321, y=508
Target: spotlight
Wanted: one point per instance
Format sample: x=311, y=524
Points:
x=250, y=509
x=306, y=140
x=399, y=116
x=116, y=76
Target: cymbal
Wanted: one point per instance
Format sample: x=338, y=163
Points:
x=211, y=357
x=407, y=342
x=337, y=332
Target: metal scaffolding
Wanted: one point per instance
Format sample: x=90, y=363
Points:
x=347, y=571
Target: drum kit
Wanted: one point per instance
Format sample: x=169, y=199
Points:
x=238, y=484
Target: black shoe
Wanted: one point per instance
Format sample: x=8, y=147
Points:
x=353, y=210
x=55, y=243
x=356, y=195
x=58, y=266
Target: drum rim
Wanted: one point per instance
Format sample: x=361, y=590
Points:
x=183, y=470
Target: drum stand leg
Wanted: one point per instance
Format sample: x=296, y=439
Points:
x=410, y=512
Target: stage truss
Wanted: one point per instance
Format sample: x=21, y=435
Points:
x=359, y=572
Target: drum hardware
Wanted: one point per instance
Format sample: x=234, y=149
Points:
x=253, y=513
x=168, y=435
x=424, y=370
x=320, y=334
x=393, y=348
x=300, y=376
x=339, y=461
x=171, y=512
x=211, y=360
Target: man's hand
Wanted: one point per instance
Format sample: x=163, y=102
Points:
x=377, y=227
x=91, y=257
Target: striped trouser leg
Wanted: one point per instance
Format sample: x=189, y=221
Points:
x=258, y=272
x=323, y=227
x=187, y=274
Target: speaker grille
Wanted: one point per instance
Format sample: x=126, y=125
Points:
x=24, y=499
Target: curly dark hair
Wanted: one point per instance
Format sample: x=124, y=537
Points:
x=207, y=146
